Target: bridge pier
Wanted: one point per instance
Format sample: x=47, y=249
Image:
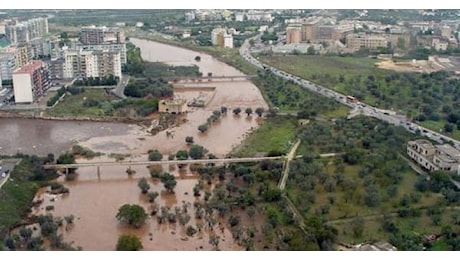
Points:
x=66, y=170
x=98, y=173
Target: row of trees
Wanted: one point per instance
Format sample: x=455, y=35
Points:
x=97, y=81
x=56, y=97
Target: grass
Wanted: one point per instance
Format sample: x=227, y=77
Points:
x=275, y=133
x=440, y=245
x=439, y=125
x=341, y=111
x=307, y=66
x=72, y=105
x=15, y=197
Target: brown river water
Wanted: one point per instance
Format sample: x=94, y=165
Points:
x=94, y=201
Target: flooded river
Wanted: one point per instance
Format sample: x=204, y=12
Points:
x=94, y=200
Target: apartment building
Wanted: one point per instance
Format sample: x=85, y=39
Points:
x=366, y=41
x=21, y=55
x=7, y=65
x=21, y=32
x=293, y=34
x=92, y=34
x=108, y=47
x=30, y=82
x=434, y=157
x=217, y=36
x=88, y=63
x=228, y=41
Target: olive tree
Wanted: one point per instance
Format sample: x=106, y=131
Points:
x=132, y=214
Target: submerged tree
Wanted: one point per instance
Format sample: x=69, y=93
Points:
x=169, y=181
x=143, y=185
x=129, y=243
x=132, y=214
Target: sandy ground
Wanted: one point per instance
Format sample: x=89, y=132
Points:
x=421, y=66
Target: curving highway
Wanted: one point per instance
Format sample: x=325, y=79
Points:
x=387, y=116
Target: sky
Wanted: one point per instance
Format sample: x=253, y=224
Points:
x=233, y=4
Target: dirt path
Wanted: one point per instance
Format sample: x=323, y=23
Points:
x=289, y=158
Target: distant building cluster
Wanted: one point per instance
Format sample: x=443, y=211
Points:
x=360, y=34
x=315, y=29
x=32, y=58
x=100, y=52
x=227, y=15
x=22, y=32
x=434, y=157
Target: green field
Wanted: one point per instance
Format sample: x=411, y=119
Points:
x=307, y=66
x=275, y=134
x=72, y=105
x=17, y=193
x=428, y=98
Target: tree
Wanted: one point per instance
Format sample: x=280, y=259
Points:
x=143, y=185
x=260, y=111
x=190, y=231
x=129, y=243
x=214, y=241
x=50, y=158
x=448, y=127
x=371, y=196
x=152, y=196
x=357, y=226
x=237, y=111
x=197, y=151
x=66, y=158
x=248, y=111
x=311, y=50
x=216, y=113
x=169, y=181
x=182, y=155
x=25, y=233
x=189, y=139
x=155, y=155
x=132, y=214
x=203, y=128
x=223, y=110
x=69, y=219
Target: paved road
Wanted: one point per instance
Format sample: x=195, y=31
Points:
x=7, y=167
x=119, y=91
x=384, y=115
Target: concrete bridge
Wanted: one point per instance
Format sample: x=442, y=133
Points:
x=149, y=163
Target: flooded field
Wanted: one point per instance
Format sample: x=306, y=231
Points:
x=94, y=200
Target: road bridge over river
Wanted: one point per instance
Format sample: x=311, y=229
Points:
x=132, y=163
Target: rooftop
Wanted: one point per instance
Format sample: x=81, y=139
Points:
x=173, y=102
x=448, y=150
x=423, y=143
x=30, y=67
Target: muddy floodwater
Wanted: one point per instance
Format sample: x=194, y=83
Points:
x=94, y=199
